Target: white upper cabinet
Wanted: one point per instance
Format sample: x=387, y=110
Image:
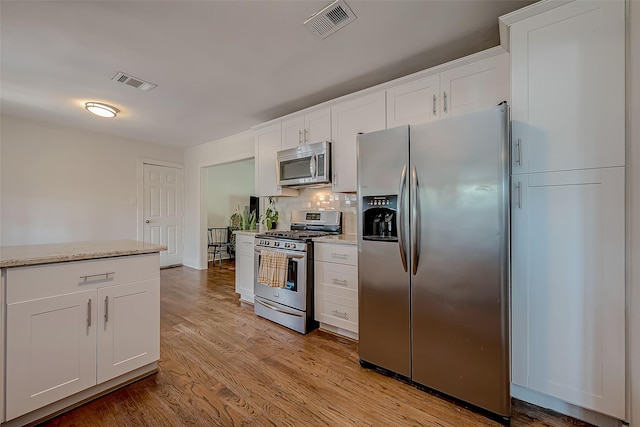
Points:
x=414, y=102
x=268, y=142
x=359, y=115
x=568, y=286
x=563, y=114
x=476, y=86
x=307, y=129
x=471, y=87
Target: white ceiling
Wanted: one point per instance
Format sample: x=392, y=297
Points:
x=220, y=66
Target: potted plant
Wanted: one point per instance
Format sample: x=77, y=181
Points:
x=270, y=217
x=243, y=221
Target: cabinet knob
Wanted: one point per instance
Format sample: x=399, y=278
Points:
x=147, y=221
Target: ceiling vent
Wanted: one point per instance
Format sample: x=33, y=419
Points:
x=330, y=19
x=133, y=82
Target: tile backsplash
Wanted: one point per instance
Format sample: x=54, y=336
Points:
x=317, y=199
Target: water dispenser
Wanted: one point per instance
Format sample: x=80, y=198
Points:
x=379, y=218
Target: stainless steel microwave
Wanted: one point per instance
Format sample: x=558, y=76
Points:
x=304, y=165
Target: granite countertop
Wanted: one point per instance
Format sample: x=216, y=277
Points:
x=341, y=239
x=18, y=256
x=247, y=232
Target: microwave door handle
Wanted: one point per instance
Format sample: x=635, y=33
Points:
x=313, y=166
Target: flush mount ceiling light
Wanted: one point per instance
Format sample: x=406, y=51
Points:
x=102, y=110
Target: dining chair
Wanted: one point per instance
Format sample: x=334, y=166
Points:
x=217, y=238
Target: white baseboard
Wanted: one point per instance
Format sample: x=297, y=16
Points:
x=549, y=402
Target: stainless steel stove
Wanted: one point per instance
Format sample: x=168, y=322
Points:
x=292, y=306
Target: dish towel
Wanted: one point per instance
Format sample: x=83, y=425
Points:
x=273, y=268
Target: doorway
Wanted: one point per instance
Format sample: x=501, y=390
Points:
x=228, y=188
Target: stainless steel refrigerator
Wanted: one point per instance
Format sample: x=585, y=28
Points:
x=433, y=255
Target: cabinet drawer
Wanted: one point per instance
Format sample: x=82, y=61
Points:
x=343, y=254
x=340, y=280
x=244, y=244
x=41, y=281
x=336, y=311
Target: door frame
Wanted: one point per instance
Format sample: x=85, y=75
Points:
x=140, y=193
x=203, y=255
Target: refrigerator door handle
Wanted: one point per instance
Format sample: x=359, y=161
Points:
x=400, y=216
x=415, y=221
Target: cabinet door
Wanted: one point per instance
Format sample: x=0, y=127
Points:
x=318, y=126
x=292, y=132
x=128, y=327
x=563, y=114
x=473, y=87
x=568, y=287
x=244, y=266
x=415, y=102
x=51, y=350
x=245, y=276
x=267, y=144
x=360, y=115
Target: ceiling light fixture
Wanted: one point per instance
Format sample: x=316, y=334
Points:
x=102, y=110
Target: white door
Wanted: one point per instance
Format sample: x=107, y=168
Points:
x=568, y=287
x=568, y=88
x=128, y=327
x=51, y=350
x=473, y=87
x=414, y=102
x=359, y=115
x=162, y=210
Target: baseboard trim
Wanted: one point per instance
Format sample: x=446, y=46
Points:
x=555, y=404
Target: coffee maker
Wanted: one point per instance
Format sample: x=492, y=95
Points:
x=379, y=218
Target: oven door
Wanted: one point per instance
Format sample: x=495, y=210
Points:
x=294, y=295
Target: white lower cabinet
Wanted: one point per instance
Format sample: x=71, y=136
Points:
x=336, y=288
x=66, y=333
x=568, y=287
x=244, y=266
x=51, y=350
x=126, y=325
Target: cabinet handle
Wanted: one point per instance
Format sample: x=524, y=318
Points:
x=89, y=314
x=337, y=255
x=306, y=135
x=106, y=309
x=519, y=196
x=91, y=276
x=434, y=104
x=300, y=136
x=340, y=314
x=445, y=102
x=519, y=152
x=339, y=282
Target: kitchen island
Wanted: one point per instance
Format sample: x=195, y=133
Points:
x=79, y=320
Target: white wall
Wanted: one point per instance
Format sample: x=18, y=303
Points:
x=633, y=170
x=231, y=149
x=228, y=186
x=60, y=184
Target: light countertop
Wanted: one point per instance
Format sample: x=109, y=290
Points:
x=18, y=256
x=246, y=232
x=341, y=239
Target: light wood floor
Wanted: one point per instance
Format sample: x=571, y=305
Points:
x=223, y=366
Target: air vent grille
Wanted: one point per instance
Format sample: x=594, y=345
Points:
x=133, y=82
x=337, y=15
x=330, y=19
